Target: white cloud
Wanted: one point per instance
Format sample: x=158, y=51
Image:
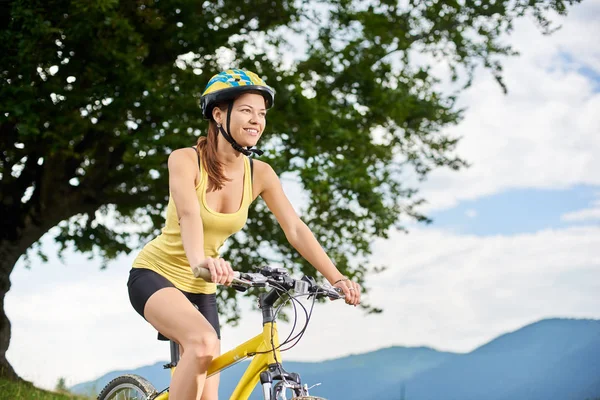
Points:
x=443, y=290
x=471, y=213
x=581, y=215
x=73, y=320
x=457, y=292
x=586, y=214
x=544, y=132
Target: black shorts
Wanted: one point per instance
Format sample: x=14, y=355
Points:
x=144, y=282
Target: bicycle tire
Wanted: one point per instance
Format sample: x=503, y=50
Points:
x=128, y=387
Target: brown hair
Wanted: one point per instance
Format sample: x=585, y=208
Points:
x=206, y=146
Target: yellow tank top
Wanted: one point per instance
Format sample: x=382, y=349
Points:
x=165, y=254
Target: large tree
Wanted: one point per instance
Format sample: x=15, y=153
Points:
x=94, y=94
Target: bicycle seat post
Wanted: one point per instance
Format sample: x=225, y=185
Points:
x=174, y=352
x=174, y=355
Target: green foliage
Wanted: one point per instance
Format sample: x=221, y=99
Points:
x=95, y=94
x=25, y=390
x=61, y=386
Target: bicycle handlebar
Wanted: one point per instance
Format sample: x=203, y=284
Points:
x=276, y=277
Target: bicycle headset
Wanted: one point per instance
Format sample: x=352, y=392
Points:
x=224, y=87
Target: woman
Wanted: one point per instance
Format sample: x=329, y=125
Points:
x=211, y=187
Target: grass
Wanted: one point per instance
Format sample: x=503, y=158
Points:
x=26, y=391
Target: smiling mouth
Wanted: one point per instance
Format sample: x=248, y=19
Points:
x=252, y=131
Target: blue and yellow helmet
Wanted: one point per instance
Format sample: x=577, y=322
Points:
x=227, y=85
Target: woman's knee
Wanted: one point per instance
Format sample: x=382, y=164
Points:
x=201, y=345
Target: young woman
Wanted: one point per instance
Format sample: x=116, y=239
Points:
x=211, y=187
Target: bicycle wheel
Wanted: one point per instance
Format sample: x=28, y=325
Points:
x=128, y=387
x=308, y=398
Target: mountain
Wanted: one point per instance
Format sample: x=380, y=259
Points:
x=350, y=377
x=550, y=359
x=343, y=376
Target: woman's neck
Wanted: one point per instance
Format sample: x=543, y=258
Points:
x=227, y=155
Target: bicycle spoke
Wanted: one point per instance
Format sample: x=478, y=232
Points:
x=127, y=393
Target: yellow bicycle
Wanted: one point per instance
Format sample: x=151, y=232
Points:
x=264, y=348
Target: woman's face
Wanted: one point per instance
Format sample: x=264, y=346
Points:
x=248, y=119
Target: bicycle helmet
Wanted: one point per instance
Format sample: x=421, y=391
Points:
x=224, y=88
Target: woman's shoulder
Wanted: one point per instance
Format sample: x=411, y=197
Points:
x=264, y=176
x=261, y=168
x=183, y=153
x=183, y=157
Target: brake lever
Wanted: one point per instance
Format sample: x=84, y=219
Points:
x=239, y=288
x=333, y=293
x=241, y=281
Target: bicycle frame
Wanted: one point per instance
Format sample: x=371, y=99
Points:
x=260, y=348
x=263, y=348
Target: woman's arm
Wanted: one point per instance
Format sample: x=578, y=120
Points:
x=299, y=235
x=182, y=171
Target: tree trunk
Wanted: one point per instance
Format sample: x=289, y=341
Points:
x=9, y=254
x=22, y=225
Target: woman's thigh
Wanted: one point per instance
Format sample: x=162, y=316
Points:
x=207, y=306
x=172, y=314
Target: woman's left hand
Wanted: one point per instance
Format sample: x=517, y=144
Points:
x=351, y=291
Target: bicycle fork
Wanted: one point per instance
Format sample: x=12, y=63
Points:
x=286, y=380
x=266, y=380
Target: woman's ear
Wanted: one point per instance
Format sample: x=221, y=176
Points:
x=217, y=115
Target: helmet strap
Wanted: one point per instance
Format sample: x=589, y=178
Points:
x=248, y=151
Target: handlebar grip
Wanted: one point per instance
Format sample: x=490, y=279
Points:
x=204, y=273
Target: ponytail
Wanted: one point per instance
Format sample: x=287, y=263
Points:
x=207, y=149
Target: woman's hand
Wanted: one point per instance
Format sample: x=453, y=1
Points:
x=351, y=290
x=220, y=270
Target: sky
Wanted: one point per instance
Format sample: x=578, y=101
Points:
x=515, y=238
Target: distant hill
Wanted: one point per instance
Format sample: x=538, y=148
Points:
x=550, y=359
x=339, y=376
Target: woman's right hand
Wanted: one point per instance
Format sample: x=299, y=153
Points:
x=220, y=270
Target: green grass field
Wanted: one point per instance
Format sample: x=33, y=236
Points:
x=25, y=391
